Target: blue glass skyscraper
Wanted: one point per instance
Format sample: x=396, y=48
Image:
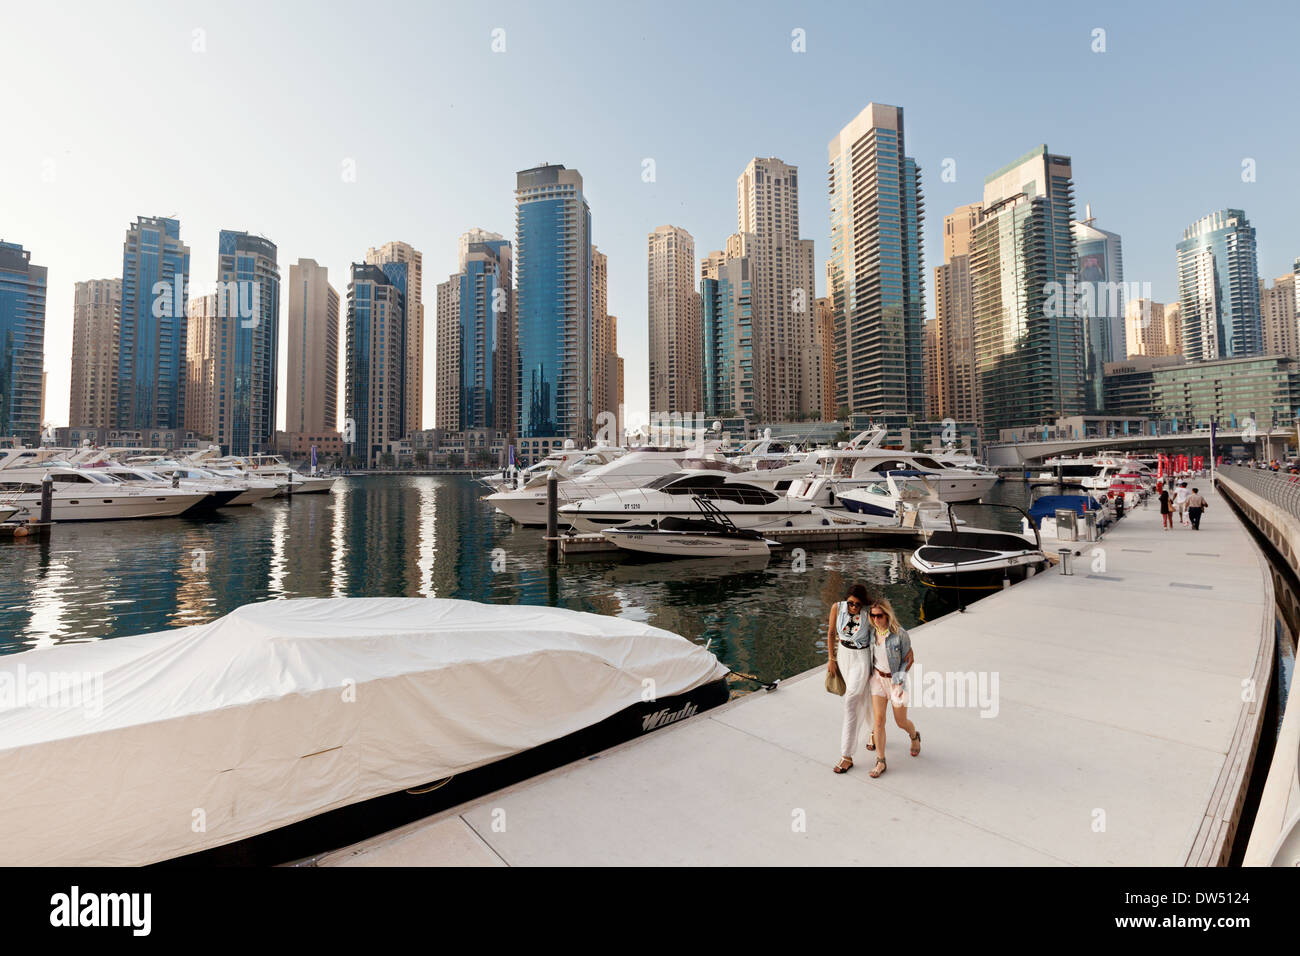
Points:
x=553, y=228
x=151, y=352
x=248, y=307
x=1218, y=288
x=22, y=343
x=375, y=361
x=485, y=362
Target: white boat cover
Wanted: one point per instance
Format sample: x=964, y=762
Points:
x=201, y=736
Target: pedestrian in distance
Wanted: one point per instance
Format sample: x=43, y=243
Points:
x=1166, y=513
x=1180, y=501
x=845, y=646
x=1196, y=505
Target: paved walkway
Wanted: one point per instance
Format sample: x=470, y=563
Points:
x=1119, y=711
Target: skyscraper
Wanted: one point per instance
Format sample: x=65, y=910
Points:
x=22, y=343
x=676, y=378
x=152, y=339
x=1028, y=337
x=92, y=399
x=600, y=330
x=375, y=361
x=1277, y=306
x=1099, y=284
x=413, y=368
x=247, y=360
x=783, y=289
x=875, y=270
x=446, y=394
x=553, y=262
x=1148, y=326
x=203, y=330
x=726, y=293
x=312, y=402
x=824, y=317
x=955, y=379
x=1218, y=287
x=930, y=370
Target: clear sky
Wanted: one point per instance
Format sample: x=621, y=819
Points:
x=117, y=110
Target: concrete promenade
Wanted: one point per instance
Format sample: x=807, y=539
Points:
x=1119, y=737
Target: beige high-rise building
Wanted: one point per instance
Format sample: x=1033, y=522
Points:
x=312, y=396
x=96, y=312
x=1277, y=309
x=446, y=406
x=957, y=229
x=1152, y=328
x=600, y=321
x=203, y=340
x=613, y=367
x=414, y=368
x=785, y=354
x=955, y=385
x=825, y=332
x=930, y=370
x=676, y=373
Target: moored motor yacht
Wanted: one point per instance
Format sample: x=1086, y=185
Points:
x=87, y=495
x=709, y=534
x=971, y=557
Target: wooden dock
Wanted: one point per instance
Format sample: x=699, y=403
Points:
x=18, y=530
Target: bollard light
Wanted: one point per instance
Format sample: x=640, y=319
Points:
x=1067, y=557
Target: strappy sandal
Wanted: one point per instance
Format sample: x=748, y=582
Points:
x=840, y=768
x=879, y=768
x=871, y=741
x=916, y=744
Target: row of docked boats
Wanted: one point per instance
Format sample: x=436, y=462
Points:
x=763, y=484
x=88, y=484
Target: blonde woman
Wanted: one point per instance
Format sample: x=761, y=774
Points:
x=891, y=659
x=849, y=655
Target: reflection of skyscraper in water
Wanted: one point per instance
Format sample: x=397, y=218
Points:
x=307, y=567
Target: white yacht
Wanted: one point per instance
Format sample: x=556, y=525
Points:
x=567, y=463
x=745, y=502
x=90, y=495
x=248, y=489
x=638, y=467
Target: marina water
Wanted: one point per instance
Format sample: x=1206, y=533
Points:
x=413, y=536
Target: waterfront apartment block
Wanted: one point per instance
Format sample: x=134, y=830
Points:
x=1099, y=285
x=1218, y=287
x=930, y=369
x=247, y=355
x=203, y=340
x=413, y=371
x=446, y=388
x=22, y=343
x=1278, y=316
x=92, y=398
x=676, y=376
x=375, y=359
x=553, y=312
x=1028, y=351
x=163, y=440
x=1263, y=388
x=599, y=333
x=613, y=372
x=1152, y=328
x=875, y=272
x=782, y=289
x=486, y=338
x=824, y=331
x=727, y=320
x=312, y=327
x=152, y=336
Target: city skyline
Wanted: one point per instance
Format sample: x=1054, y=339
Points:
x=76, y=184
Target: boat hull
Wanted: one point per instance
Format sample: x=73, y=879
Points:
x=334, y=829
x=669, y=544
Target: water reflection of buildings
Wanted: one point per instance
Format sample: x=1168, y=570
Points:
x=303, y=544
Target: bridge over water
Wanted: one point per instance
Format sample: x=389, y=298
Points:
x=1196, y=442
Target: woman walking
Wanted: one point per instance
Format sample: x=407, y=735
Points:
x=850, y=656
x=891, y=653
x=1166, y=513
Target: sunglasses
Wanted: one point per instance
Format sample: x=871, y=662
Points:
x=855, y=604
x=877, y=614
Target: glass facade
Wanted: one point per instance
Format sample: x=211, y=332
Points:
x=727, y=321
x=553, y=230
x=1218, y=288
x=374, y=368
x=485, y=286
x=248, y=311
x=22, y=343
x=1028, y=344
x=151, y=353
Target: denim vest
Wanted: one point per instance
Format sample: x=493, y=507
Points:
x=898, y=644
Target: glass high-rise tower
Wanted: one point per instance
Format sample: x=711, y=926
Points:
x=152, y=328
x=1028, y=336
x=22, y=343
x=375, y=359
x=245, y=359
x=553, y=315
x=875, y=273
x=1218, y=287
